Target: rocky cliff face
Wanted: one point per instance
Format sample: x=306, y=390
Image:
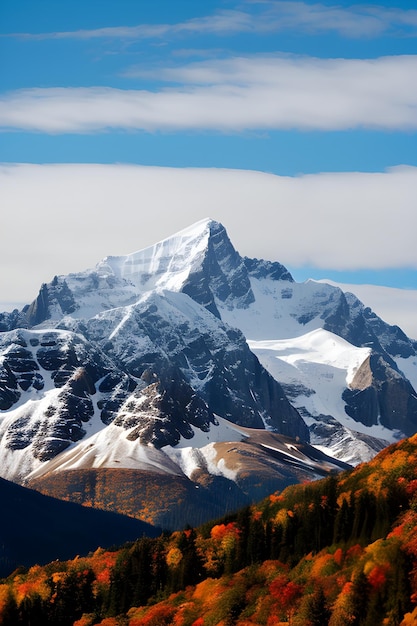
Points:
x=381, y=395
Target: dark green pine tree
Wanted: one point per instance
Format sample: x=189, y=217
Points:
x=139, y=573
x=343, y=523
x=33, y=611
x=316, y=611
x=243, y=524
x=399, y=590
x=120, y=592
x=360, y=599
x=257, y=548
x=191, y=569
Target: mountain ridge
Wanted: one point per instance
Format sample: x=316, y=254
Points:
x=146, y=351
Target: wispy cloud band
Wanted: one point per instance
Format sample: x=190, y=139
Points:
x=234, y=95
x=356, y=21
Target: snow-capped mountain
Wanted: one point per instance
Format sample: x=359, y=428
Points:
x=187, y=360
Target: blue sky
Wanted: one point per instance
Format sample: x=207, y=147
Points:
x=293, y=123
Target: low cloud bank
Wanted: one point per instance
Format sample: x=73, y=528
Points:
x=66, y=217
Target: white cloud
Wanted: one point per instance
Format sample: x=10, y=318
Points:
x=234, y=95
x=357, y=20
x=223, y=22
x=62, y=218
x=259, y=17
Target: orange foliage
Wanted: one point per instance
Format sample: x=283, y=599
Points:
x=58, y=577
x=338, y=557
x=274, y=498
x=219, y=531
x=269, y=569
x=4, y=597
x=225, y=535
x=320, y=564
x=208, y=590
x=184, y=613
x=410, y=619
x=274, y=620
x=158, y=615
x=31, y=587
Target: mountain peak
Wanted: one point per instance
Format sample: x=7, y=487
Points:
x=199, y=260
x=148, y=352
x=166, y=263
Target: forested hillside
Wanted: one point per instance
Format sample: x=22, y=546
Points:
x=341, y=550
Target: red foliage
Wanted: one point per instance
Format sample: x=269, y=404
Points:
x=377, y=577
x=354, y=552
x=285, y=591
x=398, y=531
x=220, y=531
x=347, y=588
x=411, y=488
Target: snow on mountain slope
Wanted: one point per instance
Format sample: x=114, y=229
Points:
x=165, y=265
x=319, y=361
x=111, y=447
x=281, y=309
x=315, y=369
x=285, y=327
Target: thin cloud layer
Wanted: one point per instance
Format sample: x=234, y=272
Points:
x=63, y=218
x=356, y=21
x=233, y=95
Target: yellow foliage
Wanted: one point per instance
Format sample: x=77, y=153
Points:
x=320, y=564
x=4, y=596
x=173, y=557
x=393, y=461
x=281, y=518
x=208, y=591
x=270, y=569
x=380, y=552
x=58, y=577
